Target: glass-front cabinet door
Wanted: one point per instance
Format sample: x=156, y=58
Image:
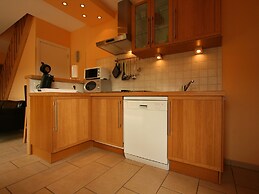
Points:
x=141, y=26
x=160, y=22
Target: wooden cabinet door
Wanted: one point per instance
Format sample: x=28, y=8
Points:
x=194, y=19
x=195, y=135
x=141, y=25
x=71, y=122
x=161, y=21
x=107, y=120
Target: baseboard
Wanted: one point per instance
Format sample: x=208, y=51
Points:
x=241, y=164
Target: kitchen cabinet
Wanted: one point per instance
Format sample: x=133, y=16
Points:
x=173, y=26
x=107, y=120
x=195, y=136
x=196, y=19
x=151, y=25
x=58, y=123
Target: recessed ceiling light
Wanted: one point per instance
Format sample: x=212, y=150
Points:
x=99, y=17
x=82, y=5
x=84, y=15
x=64, y=3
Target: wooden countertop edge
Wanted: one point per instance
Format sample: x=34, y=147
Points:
x=72, y=80
x=122, y=94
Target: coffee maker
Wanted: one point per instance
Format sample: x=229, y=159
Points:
x=46, y=79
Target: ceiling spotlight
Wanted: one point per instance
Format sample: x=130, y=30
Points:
x=64, y=3
x=159, y=56
x=82, y=5
x=84, y=15
x=99, y=17
x=198, y=50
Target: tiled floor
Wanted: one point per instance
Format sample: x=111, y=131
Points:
x=99, y=171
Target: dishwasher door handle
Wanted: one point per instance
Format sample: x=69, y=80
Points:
x=143, y=105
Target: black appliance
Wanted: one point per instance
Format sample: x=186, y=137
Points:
x=46, y=79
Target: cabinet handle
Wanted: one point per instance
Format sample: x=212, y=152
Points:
x=55, y=116
x=169, y=118
x=174, y=23
x=119, y=114
x=151, y=31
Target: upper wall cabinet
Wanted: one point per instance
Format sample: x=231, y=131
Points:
x=194, y=19
x=151, y=25
x=173, y=26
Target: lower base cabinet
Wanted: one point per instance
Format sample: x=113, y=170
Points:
x=107, y=120
x=59, y=123
x=195, y=136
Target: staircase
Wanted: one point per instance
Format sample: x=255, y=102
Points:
x=14, y=54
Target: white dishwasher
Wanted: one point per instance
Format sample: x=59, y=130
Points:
x=145, y=130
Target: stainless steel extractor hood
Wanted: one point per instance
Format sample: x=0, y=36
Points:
x=120, y=44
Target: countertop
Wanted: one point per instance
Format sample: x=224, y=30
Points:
x=122, y=94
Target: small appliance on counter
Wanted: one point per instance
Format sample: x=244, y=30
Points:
x=96, y=73
x=46, y=79
x=97, y=79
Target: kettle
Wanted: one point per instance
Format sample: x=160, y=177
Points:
x=46, y=79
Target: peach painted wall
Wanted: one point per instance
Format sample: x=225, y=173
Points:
x=49, y=32
x=84, y=39
x=43, y=30
x=26, y=66
x=240, y=55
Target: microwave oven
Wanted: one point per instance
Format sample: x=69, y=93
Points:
x=96, y=73
x=97, y=85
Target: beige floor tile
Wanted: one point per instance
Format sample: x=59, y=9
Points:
x=11, y=156
x=243, y=190
x=246, y=178
x=43, y=191
x=110, y=159
x=134, y=162
x=7, y=167
x=181, y=183
x=21, y=173
x=204, y=190
x=113, y=179
x=163, y=190
x=4, y=191
x=227, y=183
x=88, y=157
x=84, y=191
x=125, y=191
x=6, y=150
x=41, y=180
x=147, y=180
x=25, y=160
x=78, y=179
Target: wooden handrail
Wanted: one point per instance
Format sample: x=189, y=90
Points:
x=14, y=54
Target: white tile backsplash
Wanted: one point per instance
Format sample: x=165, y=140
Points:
x=171, y=73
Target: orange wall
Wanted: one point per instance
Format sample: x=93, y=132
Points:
x=83, y=40
x=26, y=66
x=240, y=55
x=49, y=32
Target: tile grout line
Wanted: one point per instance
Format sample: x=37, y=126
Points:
x=232, y=172
x=163, y=181
x=130, y=178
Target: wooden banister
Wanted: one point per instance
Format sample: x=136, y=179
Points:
x=14, y=54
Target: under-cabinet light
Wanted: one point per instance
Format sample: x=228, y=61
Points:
x=159, y=56
x=198, y=50
x=82, y=5
x=64, y=3
x=99, y=17
x=84, y=15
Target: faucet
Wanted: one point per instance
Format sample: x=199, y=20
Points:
x=185, y=87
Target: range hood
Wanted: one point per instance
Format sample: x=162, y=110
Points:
x=120, y=44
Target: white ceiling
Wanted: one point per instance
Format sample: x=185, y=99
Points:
x=12, y=10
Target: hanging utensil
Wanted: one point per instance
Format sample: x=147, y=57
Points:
x=117, y=70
